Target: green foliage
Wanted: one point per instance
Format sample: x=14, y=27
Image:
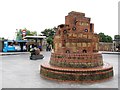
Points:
x=31, y=33
x=2, y=38
x=49, y=33
x=104, y=38
x=28, y=33
x=19, y=35
x=50, y=40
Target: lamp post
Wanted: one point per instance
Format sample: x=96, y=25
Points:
x=16, y=33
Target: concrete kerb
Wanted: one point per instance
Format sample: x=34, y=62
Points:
x=18, y=53
x=107, y=52
x=12, y=53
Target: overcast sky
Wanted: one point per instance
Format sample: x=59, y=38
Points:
x=37, y=15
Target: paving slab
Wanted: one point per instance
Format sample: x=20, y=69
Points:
x=18, y=71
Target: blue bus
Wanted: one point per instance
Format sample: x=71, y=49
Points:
x=14, y=45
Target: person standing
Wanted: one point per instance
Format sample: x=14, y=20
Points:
x=50, y=47
x=47, y=47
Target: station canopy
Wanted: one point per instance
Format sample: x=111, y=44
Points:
x=35, y=37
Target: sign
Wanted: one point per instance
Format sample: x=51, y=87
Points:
x=23, y=32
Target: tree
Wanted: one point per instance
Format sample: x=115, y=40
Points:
x=101, y=37
x=19, y=35
x=31, y=33
x=104, y=38
x=109, y=38
x=2, y=38
x=49, y=33
x=28, y=33
x=50, y=40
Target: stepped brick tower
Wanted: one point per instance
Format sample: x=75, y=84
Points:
x=75, y=56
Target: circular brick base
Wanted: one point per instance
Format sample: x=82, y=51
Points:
x=72, y=60
x=77, y=74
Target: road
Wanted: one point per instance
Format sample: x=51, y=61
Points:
x=20, y=72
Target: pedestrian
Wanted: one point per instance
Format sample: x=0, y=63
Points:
x=50, y=47
x=40, y=47
x=47, y=47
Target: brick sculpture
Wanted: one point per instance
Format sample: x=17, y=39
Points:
x=75, y=56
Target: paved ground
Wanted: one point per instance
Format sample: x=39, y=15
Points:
x=20, y=72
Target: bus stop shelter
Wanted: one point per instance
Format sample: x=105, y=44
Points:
x=36, y=40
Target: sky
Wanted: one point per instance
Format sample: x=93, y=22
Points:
x=37, y=15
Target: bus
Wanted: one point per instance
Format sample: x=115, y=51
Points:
x=14, y=45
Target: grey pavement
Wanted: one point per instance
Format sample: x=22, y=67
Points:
x=20, y=72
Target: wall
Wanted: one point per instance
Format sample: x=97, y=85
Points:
x=105, y=46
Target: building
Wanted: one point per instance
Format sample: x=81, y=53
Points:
x=1, y=45
x=116, y=45
x=36, y=40
x=103, y=46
